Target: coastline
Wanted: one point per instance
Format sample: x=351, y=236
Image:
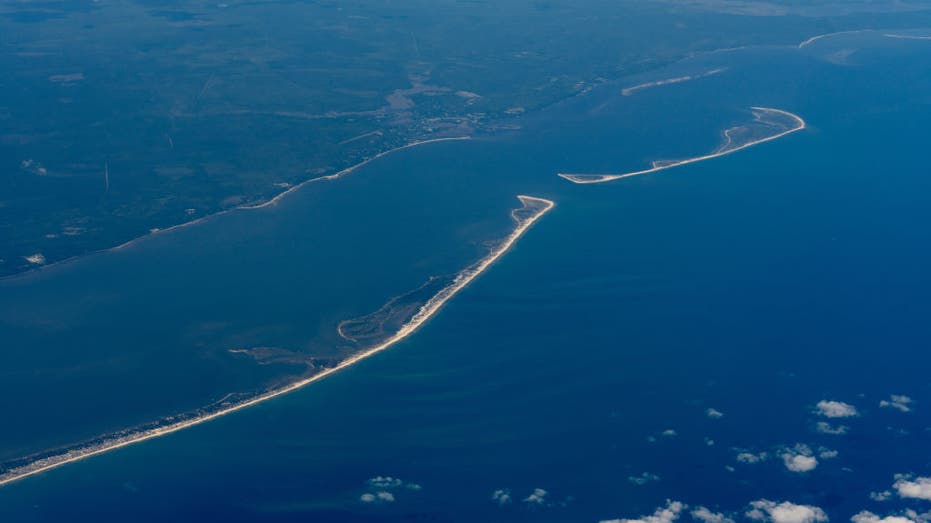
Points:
x=535, y=207
x=628, y=91
x=601, y=178
x=814, y=39
x=274, y=200
x=350, y=169
x=907, y=37
x=632, y=90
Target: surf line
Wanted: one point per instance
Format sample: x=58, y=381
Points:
x=601, y=178
x=814, y=39
x=202, y=219
x=537, y=207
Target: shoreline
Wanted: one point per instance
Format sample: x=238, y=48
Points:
x=129, y=243
x=538, y=208
x=907, y=37
x=689, y=56
x=350, y=169
x=629, y=91
x=813, y=39
x=601, y=178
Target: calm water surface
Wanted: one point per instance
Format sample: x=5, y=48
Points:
x=756, y=284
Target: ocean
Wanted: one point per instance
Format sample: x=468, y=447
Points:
x=570, y=382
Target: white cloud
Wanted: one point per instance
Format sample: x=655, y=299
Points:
x=707, y=516
x=785, y=512
x=912, y=487
x=666, y=514
x=825, y=453
x=924, y=517
x=669, y=433
x=799, y=463
x=385, y=482
x=750, y=458
x=643, y=479
x=34, y=167
x=905, y=516
x=537, y=497
x=501, y=496
x=714, y=413
x=824, y=427
x=866, y=516
x=378, y=497
x=799, y=459
x=709, y=441
x=835, y=409
x=897, y=401
x=35, y=259
x=881, y=496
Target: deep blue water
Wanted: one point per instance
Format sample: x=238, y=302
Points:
x=756, y=284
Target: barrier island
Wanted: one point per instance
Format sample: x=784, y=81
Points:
x=768, y=124
x=627, y=91
x=398, y=319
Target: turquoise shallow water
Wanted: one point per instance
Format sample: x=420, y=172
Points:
x=756, y=284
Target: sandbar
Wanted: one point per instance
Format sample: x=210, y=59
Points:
x=814, y=39
x=633, y=89
x=907, y=37
x=759, y=113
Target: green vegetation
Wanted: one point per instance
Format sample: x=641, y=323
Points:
x=119, y=117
